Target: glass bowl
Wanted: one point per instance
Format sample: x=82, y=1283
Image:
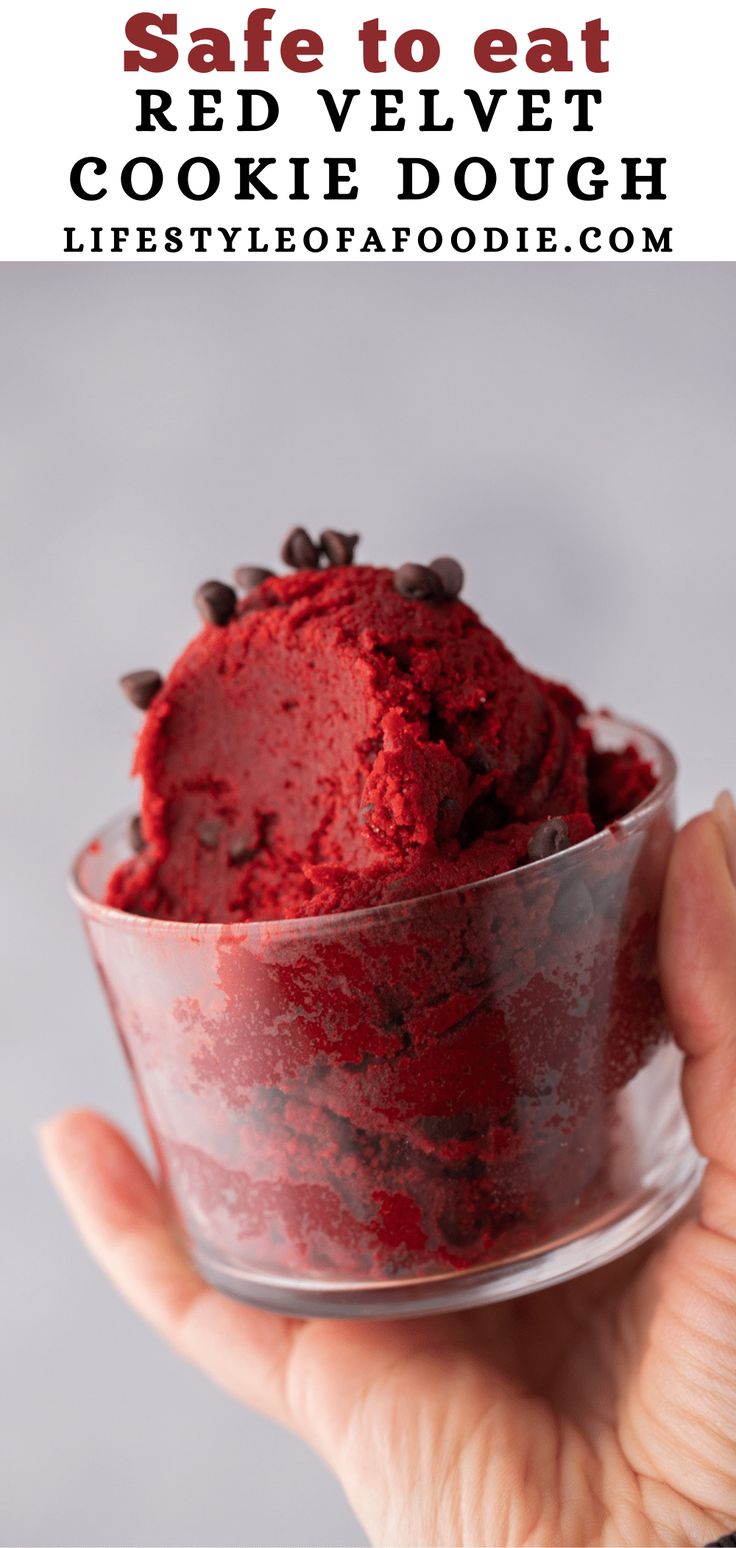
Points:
x=418, y=1106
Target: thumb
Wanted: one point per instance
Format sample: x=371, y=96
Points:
x=679, y=1424
x=697, y=950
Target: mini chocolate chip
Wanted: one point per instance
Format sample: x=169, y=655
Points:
x=550, y=838
x=456, y=1126
x=240, y=849
x=208, y=833
x=141, y=687
x=135, y=835
x=339, y=547
x=573, y=905
x=298, y=550
x=216, y=602
x=451, y=575
x=459, y=1230
x=448, y=815
x=359, y=1067
x=249, y=576
x=482, y=759
x=417, y=583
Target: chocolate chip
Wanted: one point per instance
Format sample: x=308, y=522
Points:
x=299, y=551
x=459, y=1228
x=249, y=576
x=216, y=602
x=141, y=687
x=451, y=575
x=135, y=835
x=359, y=1067
x=482, y=759
x=550, y=838
x=573, y=905
x=208, y=833
x=339, y=547
x=417, y=583
x=448, y=815
x=455, y=1126
x=240, y=849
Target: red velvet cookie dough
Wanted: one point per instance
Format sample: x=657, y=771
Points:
x=332, y=743
x=410, y=1090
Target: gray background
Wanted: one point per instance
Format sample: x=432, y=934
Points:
x=568, y=432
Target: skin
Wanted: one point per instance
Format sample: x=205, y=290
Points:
x=599, y=1412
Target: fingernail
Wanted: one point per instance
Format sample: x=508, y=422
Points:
x=724, y=812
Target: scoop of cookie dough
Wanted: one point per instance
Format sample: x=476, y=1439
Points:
x=337, y=744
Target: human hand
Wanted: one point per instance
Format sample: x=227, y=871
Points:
x=602, y=1411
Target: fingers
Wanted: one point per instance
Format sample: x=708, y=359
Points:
x=312, y=1376
x=698, y=937
x=120, y=1214
x=724, y=812
x=697, y=950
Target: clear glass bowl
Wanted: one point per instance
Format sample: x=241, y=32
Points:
x=418, y=1106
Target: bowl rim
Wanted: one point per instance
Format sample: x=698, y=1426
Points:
x=620, y=829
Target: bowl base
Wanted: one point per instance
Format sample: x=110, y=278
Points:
x=623, y=1228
